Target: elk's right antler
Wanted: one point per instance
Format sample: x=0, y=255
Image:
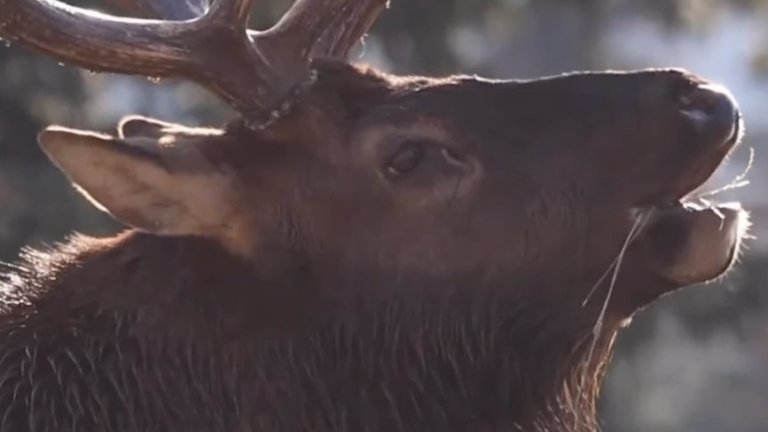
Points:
x=211, y=45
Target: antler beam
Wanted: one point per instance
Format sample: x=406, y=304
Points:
x=176, y=10
x=252, y=71
x=164, y=49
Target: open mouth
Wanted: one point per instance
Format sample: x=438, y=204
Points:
x=689, y=238
x=696, y=241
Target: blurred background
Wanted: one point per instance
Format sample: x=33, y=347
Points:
x=696, y=361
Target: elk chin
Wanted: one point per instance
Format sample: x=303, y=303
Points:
x=693, y=242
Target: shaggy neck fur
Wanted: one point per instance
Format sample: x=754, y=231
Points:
x=148, y=334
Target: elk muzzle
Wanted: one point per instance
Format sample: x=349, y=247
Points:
x=688, y=239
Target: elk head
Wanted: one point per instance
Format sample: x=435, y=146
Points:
x=526, y=191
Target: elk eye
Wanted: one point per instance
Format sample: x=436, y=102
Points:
x=406, y=159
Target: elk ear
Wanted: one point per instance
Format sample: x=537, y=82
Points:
x=145, y=182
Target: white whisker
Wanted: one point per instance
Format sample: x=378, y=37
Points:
x=738, y=182
x=615, y=266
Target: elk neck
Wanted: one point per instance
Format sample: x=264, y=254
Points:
x=430, y=359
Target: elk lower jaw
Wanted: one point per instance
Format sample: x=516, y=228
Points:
x=694, y=241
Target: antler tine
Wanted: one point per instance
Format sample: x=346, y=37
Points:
x=233, y=12
x=326, y=28
x=317, y=28
x=176, y=10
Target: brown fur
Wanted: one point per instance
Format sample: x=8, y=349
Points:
x=450, y=300
x=221, y=348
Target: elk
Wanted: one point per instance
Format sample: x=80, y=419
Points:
x=357, y=251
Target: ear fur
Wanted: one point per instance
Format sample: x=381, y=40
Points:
x=144, y=180
x=138, y=126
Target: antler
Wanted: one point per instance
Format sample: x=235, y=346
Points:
x=252, y=71
x=176, y=10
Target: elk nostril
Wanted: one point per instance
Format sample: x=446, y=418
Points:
x=712, y=110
